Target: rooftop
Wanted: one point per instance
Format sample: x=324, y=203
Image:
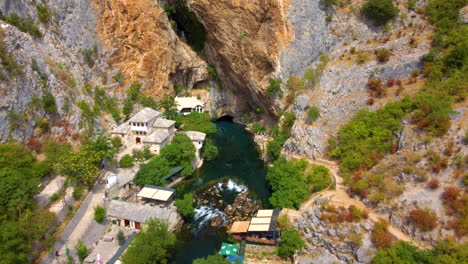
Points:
x=195, y=135
x=240, y=227
x=145, y=115
x=122, y=129
x=163, y=123
x=156, y=193
x=141, y=213
x=187, y=102
x=158, y=136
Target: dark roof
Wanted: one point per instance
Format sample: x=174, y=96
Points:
x=173, y=171
x=160, y=188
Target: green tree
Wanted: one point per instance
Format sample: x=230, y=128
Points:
x=180, y=152
x=14, y=246
x=126, y=161
x=152, y=245
x=80, y=166
x=200, y=122
x=99, y=213
x=212, y=259
x=290, y=242
x=274, y=88
x=81, y=250
x=185, y=206
x=169, y=105
x=286, y=179
x=209, y=151
x=319, y=177
x=48, y=104
x=379, y=11
x=153, y=172
x=313, y=113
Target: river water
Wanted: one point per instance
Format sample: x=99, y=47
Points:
x=239, y=168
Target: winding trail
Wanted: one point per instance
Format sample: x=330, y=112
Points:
x=340, y=197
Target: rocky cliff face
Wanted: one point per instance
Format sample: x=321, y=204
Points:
x=244, y=39
x=86, y=41
x=146, y=48
x=59, y=66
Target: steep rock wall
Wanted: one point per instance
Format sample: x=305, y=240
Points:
x=146, y=48
x=244, y=39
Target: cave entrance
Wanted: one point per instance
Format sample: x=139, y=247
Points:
x=228, y=118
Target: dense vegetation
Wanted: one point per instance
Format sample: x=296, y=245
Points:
x=379, y=11
x=402, y=252
x=287, y=178
x=195, y=121
x=127, y=161
x=212, y=259
x=22, y=24
x=280, y=136
x=152, y=245
x=209, y=151
x=180, y=152
x=185, y=206
x=290, y=242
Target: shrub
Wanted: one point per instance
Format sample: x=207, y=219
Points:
x=78, y=192
x=383, y=55
x=185, y=206
x=390, y=82
x=43, y=13
x=295, y=83
x=319, y=177
x=362, y=57
x=48, y=103
x=23, y=25
x=34, y=144
x=291, y=241
x=81, y=251
x=425, y=220
x=121, y=237
x=313, y=113
x=90, y=55
x=99, y=213
x=433, y=184
x=274, y=88
x=127, y=161
x=375, y=87
x=379, y=11
x=370, y=101
x=380, y=236
x=54, y=197
x=356, y=239
x=209, y=151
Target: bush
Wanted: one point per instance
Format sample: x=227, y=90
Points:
x=379, y=11
x=425, y=220
x=380, y=236
x=375, y=87
x=383, y=55
x=78, y=192
x=23, y=25
x=290, y=242
x=81, y=251
x=212, y=259
x=153, y=172
x=54, y=197
x=127, y=161
x=185, y=206
x=48, y=104
x=43, y=13
x=319, y=177
x=362, y=57
x=274, y=88
x=121, y=237
x=99, y=213
x=197, y=122
x=433, y=184
x=313, y=113
x=209, y=151
x=402, y=252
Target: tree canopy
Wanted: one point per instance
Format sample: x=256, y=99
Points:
x=290, y=242
x=153, y=172
x=287, y=182
x=195, y=121
x=185, y=206
x=380, y=11
x=180, y=152
x=212, y=259
x=152, y=245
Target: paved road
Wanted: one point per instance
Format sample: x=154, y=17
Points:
x=82, y=226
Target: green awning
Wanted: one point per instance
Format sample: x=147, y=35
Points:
x=228, y=249
x=173, y=171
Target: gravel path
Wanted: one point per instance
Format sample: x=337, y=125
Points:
x=340, y=197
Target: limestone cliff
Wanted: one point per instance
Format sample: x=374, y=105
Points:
x=244, y=39
x=146, y=48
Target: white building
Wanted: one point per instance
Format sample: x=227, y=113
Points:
x=197, y=139
x=147, y=127
x=186, y=105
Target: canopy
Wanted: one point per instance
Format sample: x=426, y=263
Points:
x=236, y=259
x=240, y=227
x=228, y=250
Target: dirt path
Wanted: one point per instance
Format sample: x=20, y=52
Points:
x=340, y=197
